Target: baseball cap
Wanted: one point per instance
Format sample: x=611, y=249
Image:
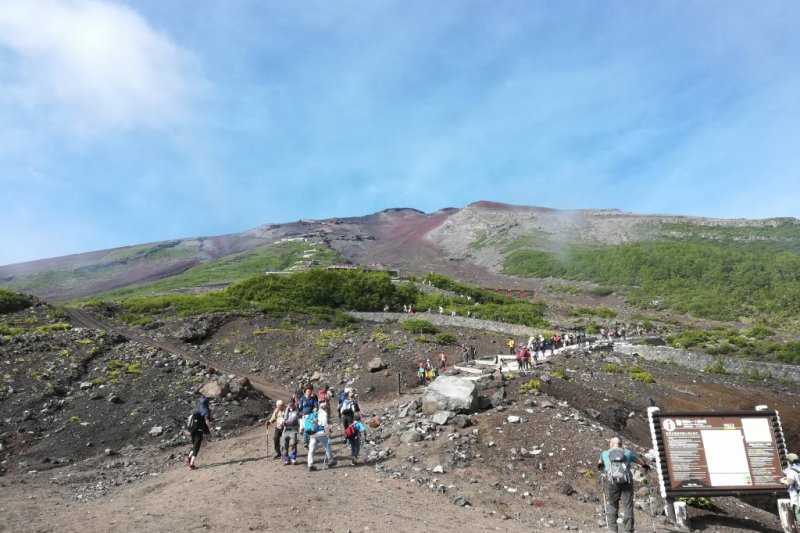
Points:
x=792, y=457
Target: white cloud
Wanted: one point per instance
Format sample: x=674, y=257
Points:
x=95, y=63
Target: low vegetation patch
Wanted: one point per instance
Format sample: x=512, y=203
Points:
x=417, y=325
x=531, y=387
x=11, y=301
x=446, y=339
x=598, y=312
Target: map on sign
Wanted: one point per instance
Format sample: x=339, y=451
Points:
x=719, y=452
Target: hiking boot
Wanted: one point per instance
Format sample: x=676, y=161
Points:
x=276, y=456
x=311, y=468
x=354, y=462
x=331, y=464
x=192, y=467
x=294, y=461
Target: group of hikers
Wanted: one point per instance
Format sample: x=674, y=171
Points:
x=539, y=344
x=307, y=420
x=304, y=419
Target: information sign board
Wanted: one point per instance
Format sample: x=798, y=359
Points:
x=718, y=453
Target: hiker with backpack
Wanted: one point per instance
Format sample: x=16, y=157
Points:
x=308, y=404
x=792, y=481
x=318, y=431
x=199, y=425
x=352, y=434
x=291, y=425
x=616, y=462
x=277, y=419
x=348, y=407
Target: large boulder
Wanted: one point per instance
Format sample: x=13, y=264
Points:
x=376, y=365
x=449, y=393
x=215, y=389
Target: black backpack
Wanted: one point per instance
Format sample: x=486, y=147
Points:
x=195, y=422
x=620, y=472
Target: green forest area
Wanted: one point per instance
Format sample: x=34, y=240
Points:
x=725, y=275
x=330, y=292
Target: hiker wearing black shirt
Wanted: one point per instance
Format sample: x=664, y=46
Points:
x=203, y=428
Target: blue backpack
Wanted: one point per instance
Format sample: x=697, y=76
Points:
x=311, y=425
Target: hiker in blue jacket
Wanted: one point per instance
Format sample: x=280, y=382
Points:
x=308, y=404
x=203, y=428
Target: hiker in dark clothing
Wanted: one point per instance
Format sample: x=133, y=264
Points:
x=203, y=428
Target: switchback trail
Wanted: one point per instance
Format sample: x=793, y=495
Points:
x=84, y=319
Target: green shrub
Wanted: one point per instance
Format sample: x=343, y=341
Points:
x=560, y=373
x=50, y=328
x=718, y=367
x=11, y=331
x=11, y=302
x=592, y=328
x=416, y=325
x=422, y=339
x=599, y=312
x=447, y=339
x=531, y=387
x=644, y=377
x=380, y=336
x=613, y=368
x=698, y=502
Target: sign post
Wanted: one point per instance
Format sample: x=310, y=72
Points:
x=732, y=453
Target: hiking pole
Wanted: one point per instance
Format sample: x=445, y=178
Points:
x=603, y=492
x=650, y=497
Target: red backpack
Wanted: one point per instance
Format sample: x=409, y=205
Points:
x=350, y=431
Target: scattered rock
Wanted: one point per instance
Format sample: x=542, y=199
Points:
x=376, y=365
x=410, y=436
x=441, y=417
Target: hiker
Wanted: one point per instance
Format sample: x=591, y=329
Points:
x=353, y=434
x=277, y=419
x=472, y=352
x=348, y=408
x=308, y=404
x=526, y=359
x=322, y=397
x=511, y=343
x=298, y=392
x=200, y=424
x=518, y=358
x=792, y=481
x=291, y=425
x=316, y=427
x=421, y=373
x=442, y=361
x=616, y=461
x=465, y=354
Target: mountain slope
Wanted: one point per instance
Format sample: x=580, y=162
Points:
x=472, y=243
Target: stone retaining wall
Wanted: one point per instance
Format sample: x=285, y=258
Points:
x=700, y=361
x=446, y=320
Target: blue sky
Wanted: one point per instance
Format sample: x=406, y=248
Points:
x=130, y=122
